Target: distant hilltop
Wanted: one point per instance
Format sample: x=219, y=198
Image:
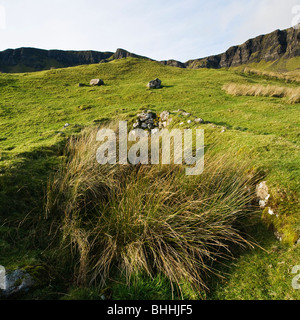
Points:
x=270, y=47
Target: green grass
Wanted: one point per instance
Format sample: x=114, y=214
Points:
x=34, y=107
x=280, y=65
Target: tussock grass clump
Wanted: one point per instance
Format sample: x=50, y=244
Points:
x=147, y=218
x=293, y=94
x=287, y=76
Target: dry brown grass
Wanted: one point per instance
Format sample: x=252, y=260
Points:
x=292, y=94
x=292, y=76
x=153, y=219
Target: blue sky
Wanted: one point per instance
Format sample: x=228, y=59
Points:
x=160, y=29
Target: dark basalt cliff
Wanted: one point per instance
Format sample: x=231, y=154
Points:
x=31, y=59
x=270, y=47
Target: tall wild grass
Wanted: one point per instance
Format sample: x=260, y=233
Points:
x=292, y=94
x=147, y=218
x=292, y=76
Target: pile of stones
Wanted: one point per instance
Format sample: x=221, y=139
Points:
x=150, y=120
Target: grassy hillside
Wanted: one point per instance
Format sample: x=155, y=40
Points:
x=280, y=65
x=34, y=107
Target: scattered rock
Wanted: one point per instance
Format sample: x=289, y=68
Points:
x=154, y=84
x=186, y=114
x=278, y=235
x=262, y=193
x=17, y=281
x=199, y=120
x=262, y=203
x=270, y=212
x=96, y=82
x=189, y=121
x=164, y=116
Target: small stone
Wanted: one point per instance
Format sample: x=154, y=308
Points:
x=278, y=235
x=262, y=190
x=143, y=116
x=189, y=121
x=199, y=120
x=165, y=115
x=270, y=212
x=149, y=121
x=135, y=125
x=96, y=82
x=262, y=203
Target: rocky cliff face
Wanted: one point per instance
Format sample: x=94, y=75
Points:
x=173, y=63
x=121, y=53
x=270, y=47
x=31, y=59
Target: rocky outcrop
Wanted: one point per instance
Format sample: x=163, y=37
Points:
x=270, y=47
x=173, y=63
x=31, y=59
x=121, y=53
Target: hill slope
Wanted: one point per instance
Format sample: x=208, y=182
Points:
x=35, y=107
